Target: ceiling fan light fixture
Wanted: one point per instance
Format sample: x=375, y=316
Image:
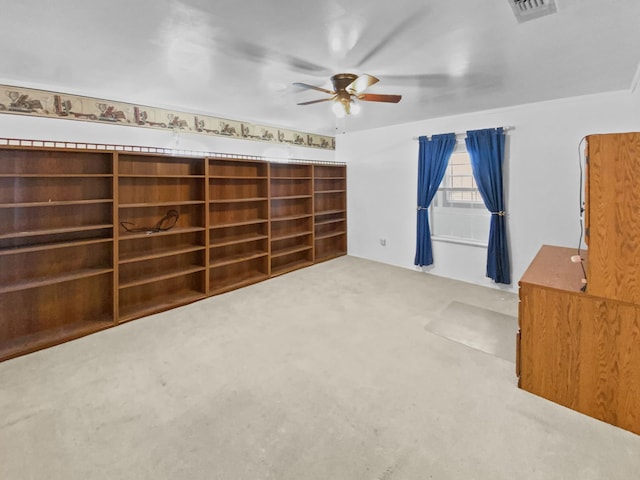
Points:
x=342, y=107
x=338, y=109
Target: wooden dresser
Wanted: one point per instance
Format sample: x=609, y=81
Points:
x=577, y=349
x=582, y=349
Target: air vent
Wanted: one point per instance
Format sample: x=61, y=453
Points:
x=526, y=10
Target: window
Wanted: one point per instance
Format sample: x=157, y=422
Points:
x=457, y=212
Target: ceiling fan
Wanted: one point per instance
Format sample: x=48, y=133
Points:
x=346, y=88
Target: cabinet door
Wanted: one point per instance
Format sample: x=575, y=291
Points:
x=582, y=352
x=614, y=216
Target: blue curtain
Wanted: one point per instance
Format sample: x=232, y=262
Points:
x=486, y=151
x=433, y=158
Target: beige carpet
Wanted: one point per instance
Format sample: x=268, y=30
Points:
x=327, y=373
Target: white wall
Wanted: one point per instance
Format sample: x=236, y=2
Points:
x=37, y=128
x=541, y=172
x=541, y=169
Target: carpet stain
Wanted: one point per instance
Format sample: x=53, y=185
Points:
x=389, y=473
x=479, y=328
x=20, y=419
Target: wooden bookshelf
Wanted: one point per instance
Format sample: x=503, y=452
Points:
x=238, y=223
x=161, y=263
x=56, y=244
x=291, y=194
x=93, y=238
x=330, y=211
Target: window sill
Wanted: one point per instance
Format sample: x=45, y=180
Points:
x=459, y=241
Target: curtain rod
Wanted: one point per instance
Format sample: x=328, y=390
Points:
x=459, y=134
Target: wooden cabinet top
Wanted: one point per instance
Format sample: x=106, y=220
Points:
x=552, y=268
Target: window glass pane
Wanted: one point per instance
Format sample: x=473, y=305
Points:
x=457, y=211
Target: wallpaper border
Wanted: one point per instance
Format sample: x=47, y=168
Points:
x=43, y=103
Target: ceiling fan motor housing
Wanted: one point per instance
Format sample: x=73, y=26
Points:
x=340, y=81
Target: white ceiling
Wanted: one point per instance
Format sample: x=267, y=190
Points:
x=238, y=59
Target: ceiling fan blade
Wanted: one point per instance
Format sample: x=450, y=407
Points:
x=437, y=80
x=419, y=80
x=361, y=83
x=409, y=22
x=311, y=87
x=318, y=101
x=377, y=97
x=258, y=53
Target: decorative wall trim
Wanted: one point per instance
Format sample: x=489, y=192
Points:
x=42, y=103
x=108, y=147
